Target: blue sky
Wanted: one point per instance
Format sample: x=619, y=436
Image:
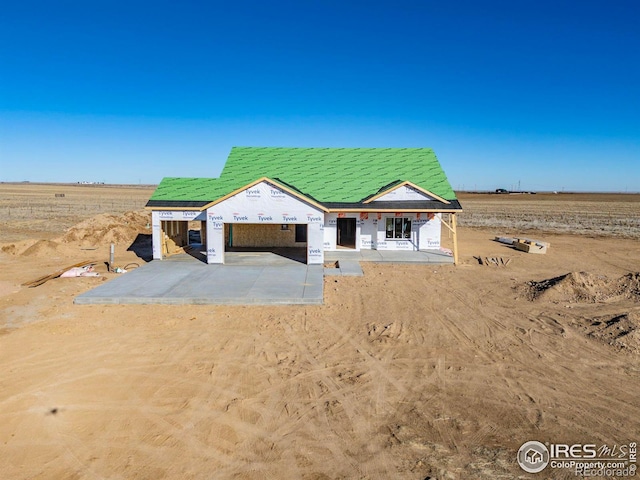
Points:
x=543, y=93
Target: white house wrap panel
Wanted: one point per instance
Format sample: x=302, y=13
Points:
x=156, y=235
x=403, y=193
x=265, y=203
x=261, y=204
x=331, y=230
x=424, y=233
x=429, y=231
x=371, y=232
x=215, y=239
x=315, y=250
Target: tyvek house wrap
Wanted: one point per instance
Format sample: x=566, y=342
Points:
x=264, y=203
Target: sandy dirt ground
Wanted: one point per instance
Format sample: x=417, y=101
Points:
x=409, y=372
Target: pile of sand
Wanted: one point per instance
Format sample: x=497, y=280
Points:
x=108, y=228
x=41, y=248
x=16, y=248
x=103, y=229
x=30, y=248
x=583, y=287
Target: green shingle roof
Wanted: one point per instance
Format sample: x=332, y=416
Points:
x=325, y=174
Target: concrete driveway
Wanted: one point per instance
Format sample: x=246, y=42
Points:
x=259, y=278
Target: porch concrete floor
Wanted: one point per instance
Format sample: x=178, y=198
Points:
x=390, y=256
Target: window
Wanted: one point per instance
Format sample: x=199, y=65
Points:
x=398, y=228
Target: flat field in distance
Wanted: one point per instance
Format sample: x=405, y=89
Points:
x=599, y=214
x=33, y=211
x=46, y=211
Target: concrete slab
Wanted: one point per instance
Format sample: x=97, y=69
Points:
x=389, y=256
x=182, y=279
x=275, y=277
x=348, y=268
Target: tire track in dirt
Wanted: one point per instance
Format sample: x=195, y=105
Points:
x=355, y=428
x=158, y=407
x=270, y=411
x=396, y=385
x=373, y=363
x=508, y=392
x=222, y=395
x=564, y=362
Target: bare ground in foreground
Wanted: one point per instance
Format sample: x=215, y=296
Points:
x=409, y=372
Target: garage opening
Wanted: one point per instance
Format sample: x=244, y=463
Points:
x=346, y=233
x=259, y=240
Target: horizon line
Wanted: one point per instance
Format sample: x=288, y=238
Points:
x=474, y=191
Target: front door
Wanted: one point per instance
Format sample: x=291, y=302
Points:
x=346, y=232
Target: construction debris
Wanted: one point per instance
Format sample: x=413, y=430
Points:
x=495, y=261
x=39, y=281
x=525, y=244
x=86, y=271
x=505, y=240
x=530, y=246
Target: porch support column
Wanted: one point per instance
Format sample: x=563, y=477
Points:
x=454, y=230
x=156, y=235
x=215, y=240
x=315, y=244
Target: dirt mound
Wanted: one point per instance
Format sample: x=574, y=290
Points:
x=17, y=248
x=619, y=330
x=103, y=229
x=629, y=285
x=108, y=228
x=40, y=248
x=583, y=287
